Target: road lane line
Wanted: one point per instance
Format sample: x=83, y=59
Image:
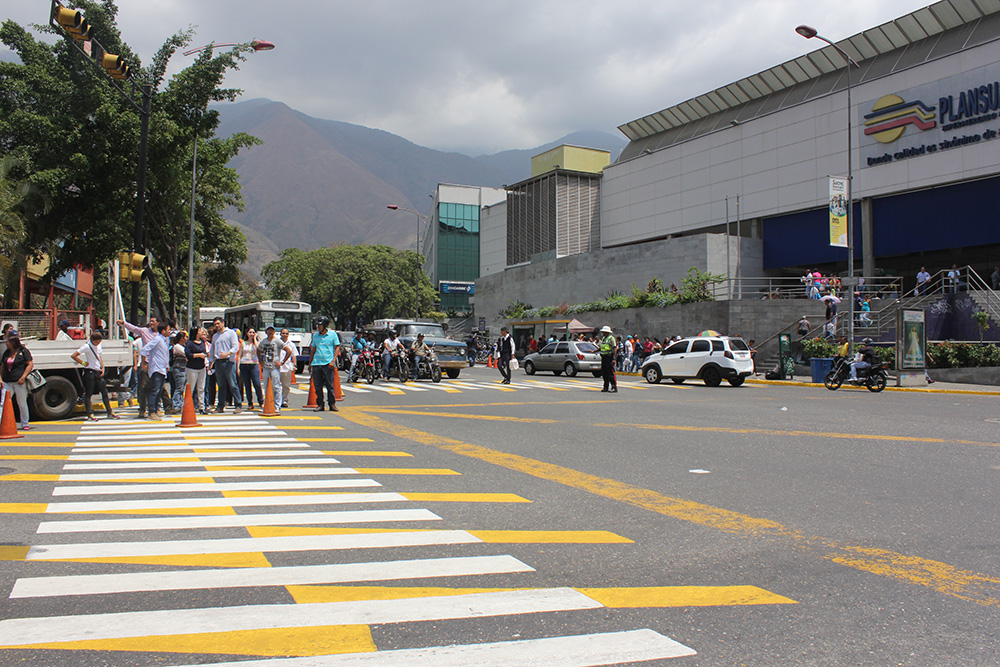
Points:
x=195, y=464
x=189, y=503
x=125, y=489
x=238, y=520
x=270, y=472
x=102, y=584
x=64, y=630
x=180, y=456
x=459, y=415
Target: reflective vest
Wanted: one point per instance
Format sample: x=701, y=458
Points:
x=608, y=345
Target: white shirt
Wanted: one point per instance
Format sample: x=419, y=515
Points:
x=92, y=356
x=391, y=343
x=290, y=364
x=62, y=335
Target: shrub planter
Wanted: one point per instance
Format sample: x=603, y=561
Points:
x=988, y=375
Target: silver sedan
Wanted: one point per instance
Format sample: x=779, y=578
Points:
x=569, y=357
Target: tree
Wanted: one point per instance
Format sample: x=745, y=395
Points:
x=353, y=284
x=11, y=221
x=76, y=139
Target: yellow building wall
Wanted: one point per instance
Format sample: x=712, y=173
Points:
x=574, y=158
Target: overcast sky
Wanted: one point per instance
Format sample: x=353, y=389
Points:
x=481, y=75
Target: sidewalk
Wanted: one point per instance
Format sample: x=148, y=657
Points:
x=936, y=388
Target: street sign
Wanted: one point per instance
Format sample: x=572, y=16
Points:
x=482, y=324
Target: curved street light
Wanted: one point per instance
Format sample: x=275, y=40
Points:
x=809, y=33
x=256, y=45
x=394, y=207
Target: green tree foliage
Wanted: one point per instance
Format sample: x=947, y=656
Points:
x=76, y=139
x=353, y=283
x=11, y=220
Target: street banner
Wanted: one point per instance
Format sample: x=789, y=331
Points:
x=914, y=340
x=838, y=211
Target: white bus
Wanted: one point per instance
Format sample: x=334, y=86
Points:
x=295, y=316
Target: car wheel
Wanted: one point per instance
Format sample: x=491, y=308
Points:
x=56, y=399
x=570, y=369
x=678, y=380
x=736, y=381
x=453, y=372
x=652, y=374
x=529, y=368
x=711, y=377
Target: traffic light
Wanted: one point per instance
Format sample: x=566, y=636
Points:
x=74, y=24
x=131, y=266
x=115, y=66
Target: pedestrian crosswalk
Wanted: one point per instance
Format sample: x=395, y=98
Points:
x=461, y=385
x=289, y=540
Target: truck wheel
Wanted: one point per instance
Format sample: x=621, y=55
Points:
x=56, y=399
x=453, y=372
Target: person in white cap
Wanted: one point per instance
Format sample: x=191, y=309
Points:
x=609, y=346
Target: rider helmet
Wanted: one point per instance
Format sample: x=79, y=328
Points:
x=323, y=321
x=866, y=341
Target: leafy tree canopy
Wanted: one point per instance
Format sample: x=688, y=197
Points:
x=76, y=139
x=353, y=284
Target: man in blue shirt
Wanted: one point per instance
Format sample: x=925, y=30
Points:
x=156, y=359
x=323, y=363
x=223, y=358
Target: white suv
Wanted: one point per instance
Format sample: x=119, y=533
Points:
x=711, y=358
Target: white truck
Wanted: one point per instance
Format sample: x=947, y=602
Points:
x=63, y=387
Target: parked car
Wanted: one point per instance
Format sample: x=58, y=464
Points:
x=711, y=358
x=569, y=357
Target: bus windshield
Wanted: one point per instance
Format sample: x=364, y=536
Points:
x=290, y=321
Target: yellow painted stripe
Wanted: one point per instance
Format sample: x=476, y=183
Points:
x=30, y=457
x=964, y=584
x=312, y=428
x=187, y=560
x=30, y=478
x=799, y=434
x=458, y=415
x=363, y=453
x=683, y=596
x=14, y=552
x=276, y=642
x=154, y=480
x=22, y=508
x=293, y=416
x=550, y=537
x=465, y=497
x=546, y=385
x=619, y=598
x=406, y=471
x=68, y=434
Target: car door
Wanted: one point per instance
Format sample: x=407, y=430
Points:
x=544, y=360
x=671, y=360
x=560, y=356
x=697, y=356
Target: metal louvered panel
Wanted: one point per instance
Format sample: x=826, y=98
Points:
x=945, y=13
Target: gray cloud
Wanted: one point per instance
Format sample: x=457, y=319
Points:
x=491, y=75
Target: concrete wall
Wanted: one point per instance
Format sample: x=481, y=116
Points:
x=492, y=239
x=591, y=276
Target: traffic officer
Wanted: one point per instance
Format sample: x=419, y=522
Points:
x=609, y=346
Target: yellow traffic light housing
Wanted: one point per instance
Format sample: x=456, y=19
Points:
x=131, y=266
x=115, y=66
x=74, y=24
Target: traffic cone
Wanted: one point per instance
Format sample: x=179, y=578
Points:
x=188, y=416
x=311, y=401
x=8, y=426
x=294, y=381
x=338, y=393
x=269, y=410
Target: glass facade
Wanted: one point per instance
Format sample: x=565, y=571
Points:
x=458, y=250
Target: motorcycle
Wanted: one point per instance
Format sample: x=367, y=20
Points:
x=398, y=367
x=874, y=378
x=428, y=369
x=365, y=368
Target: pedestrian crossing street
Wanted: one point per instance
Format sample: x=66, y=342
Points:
x=237, y=539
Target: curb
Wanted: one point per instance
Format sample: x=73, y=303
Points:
x=918, y=390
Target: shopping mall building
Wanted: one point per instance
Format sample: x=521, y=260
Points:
x=736, y=180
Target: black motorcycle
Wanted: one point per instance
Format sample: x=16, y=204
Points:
x=427, y=369
x=874, y=378
x=399, y=368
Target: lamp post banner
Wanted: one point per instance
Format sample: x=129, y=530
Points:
x=838, y=211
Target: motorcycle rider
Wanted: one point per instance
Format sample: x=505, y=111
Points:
x=357, y=345
x=390, y=346
x=867, y=353
x=418, y=350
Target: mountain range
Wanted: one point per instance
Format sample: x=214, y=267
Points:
x=316, y=182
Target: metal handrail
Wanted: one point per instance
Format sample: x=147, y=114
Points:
x=787, y=287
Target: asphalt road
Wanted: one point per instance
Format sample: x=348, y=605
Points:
x=540, y=523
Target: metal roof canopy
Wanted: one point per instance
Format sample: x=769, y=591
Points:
x=866, y=45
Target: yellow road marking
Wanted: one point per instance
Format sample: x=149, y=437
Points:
x=30, y=478
x=291, y=416
x=69, y=434
x=813, y=434
x=458, y=415
x=312, y=428
x=964, y=584
x=545, y=385
x=334, y=439
x=22, y=508
x=277, y=642
x=489, y=536
x=465, y=497
x=364, y=453
x=33, y=457
x=619, y=598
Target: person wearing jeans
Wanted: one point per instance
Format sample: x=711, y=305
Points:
x=273, y=352
x=250, y=369
x=225, y=348
x=145, y=335
x=157, y=361
x=194, y=369
x=323, y=363
x=15, y=365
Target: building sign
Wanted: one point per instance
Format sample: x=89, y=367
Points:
x=957, y=111
x=456, y=288
x=838, y=211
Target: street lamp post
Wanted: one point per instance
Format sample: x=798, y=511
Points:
x=394, y=207
x=810, y=33
x=256, y=45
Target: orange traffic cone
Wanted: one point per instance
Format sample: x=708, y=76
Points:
x=294, y=381
x=188, y=416
x=489, y=362
x=269, y=410
x=8, y=426
x=338, y=393
x=311, y=401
